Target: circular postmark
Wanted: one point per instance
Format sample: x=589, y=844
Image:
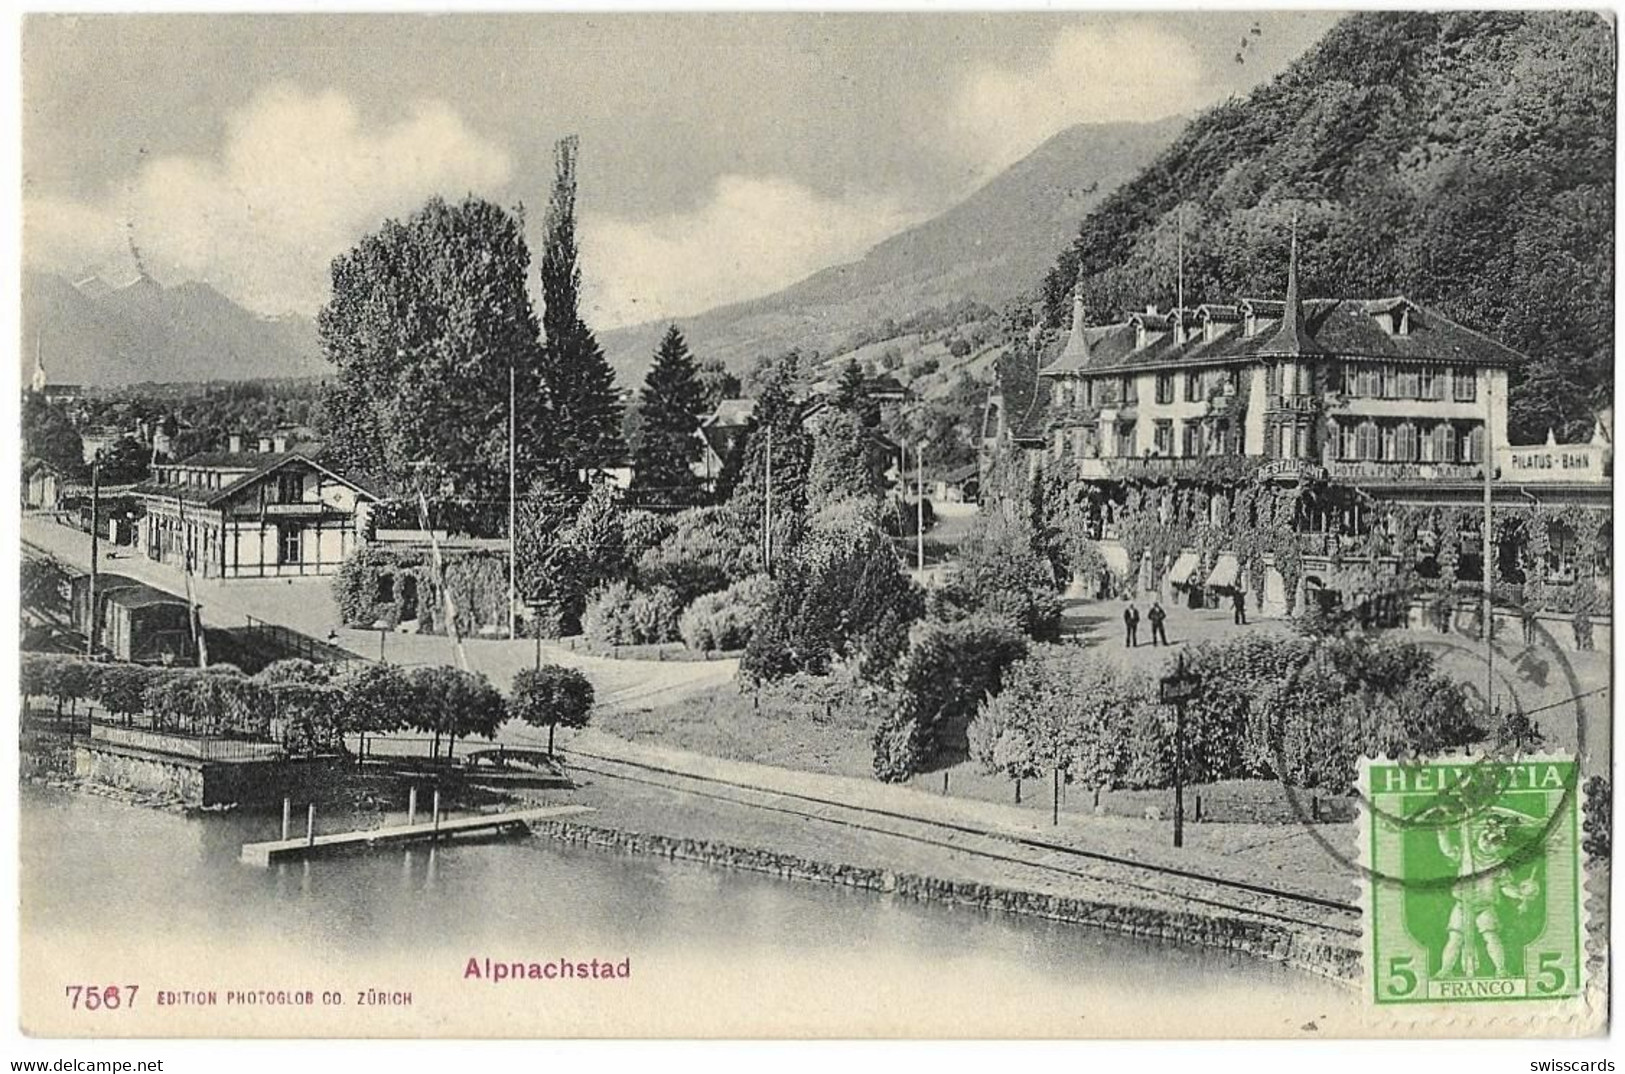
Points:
x=1499, y=675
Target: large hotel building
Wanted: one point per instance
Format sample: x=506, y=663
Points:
x=1352, y=403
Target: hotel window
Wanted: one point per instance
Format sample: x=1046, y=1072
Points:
x=1193, y=387
x=1289, y=439
x=1193, y=439
x=1465, y=385
x=1367, y=442
x=1427, y=383
x=1272, y=379
x=1131, y=391
x=1368, y=382
x=1165, y=387
x=1407, y=383
x=1089, y=393
x=1444, y=442
x=1390, y=448
x=1405, y=443
x=1163, y=439
x=1125, y=439
x=1472, y=445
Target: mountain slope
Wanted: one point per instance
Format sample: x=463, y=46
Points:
x=91, y=332
x=989, y=248
x=1465, y=159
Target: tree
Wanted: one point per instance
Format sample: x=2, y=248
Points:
x=582, y=425
x=375, y=699
x=596, y=539
x=426, y=318
x=551, y=696
x=450, y=702
x=842, y=594
x=548, y=574
x=672, y=404
x=1000, y=571
x=49, y=436
x=125, y=461
x=121, y=689
x=44, y=584
x=716, y=383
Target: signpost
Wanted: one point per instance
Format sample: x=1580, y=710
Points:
x=1176, y=690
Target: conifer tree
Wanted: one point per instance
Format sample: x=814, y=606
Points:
x=582, y=424
x=672, y=405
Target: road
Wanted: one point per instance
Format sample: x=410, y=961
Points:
x=306, y=605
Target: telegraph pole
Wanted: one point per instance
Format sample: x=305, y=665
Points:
x=513, y=587
x=95, y=553
x=919, y=504
x=767, y=537
x=1486, y=464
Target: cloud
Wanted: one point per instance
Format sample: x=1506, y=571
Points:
x=297, y=181
x=1129, y=72
x=754, y=236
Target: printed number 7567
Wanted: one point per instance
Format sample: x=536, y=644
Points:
x=101, y=997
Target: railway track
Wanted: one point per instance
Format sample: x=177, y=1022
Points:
x=1161, y=883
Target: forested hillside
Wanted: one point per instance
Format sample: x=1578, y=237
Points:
x=1464, y=159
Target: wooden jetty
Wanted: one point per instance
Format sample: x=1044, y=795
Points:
x=513, y=823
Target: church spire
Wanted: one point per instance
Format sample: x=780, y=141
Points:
x=1294, y=338
x=39, y=382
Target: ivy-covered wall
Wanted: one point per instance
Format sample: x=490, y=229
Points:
x=395, y=585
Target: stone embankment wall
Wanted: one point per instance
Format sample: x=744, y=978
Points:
x=201, y=783
x=1298, y=948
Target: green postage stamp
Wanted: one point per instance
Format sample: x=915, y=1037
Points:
x=1474, y=886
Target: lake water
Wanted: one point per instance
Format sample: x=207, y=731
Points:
x=114, y=892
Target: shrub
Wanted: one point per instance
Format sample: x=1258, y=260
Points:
x=950, y=668
x=621, y=615
x=725, y=620
x=643, y=531
x=709, y=549
x=1001, y=572
x=842, y=594
x=897, y=748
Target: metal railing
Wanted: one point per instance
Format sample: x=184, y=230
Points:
x=200, y=747
x=279, y=639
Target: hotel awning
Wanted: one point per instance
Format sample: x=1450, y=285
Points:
x=1184, y=566
x=1225, y=571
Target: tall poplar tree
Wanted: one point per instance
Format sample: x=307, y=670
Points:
x=581, y=427
x=672, y=404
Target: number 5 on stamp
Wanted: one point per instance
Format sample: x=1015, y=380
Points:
x=1474, y=889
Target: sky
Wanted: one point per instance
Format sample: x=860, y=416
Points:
x=722, y=156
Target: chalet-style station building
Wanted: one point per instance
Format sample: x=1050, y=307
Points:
x=241, y=513
x=1345, y=404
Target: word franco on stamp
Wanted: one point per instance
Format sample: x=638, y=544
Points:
x=1474, y=889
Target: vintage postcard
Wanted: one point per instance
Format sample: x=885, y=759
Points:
x=1071, y=524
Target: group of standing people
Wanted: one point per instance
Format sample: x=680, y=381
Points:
x=1158, y=616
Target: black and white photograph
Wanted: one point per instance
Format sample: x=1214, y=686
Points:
x=761, y=524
